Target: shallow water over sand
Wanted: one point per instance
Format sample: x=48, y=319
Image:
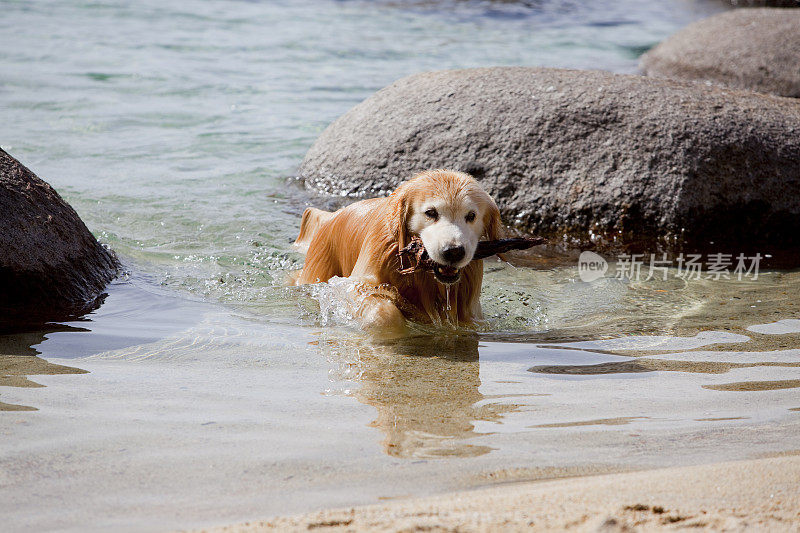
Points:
x=195, y=414
x=204, y=391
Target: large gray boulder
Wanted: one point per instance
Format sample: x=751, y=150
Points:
x=581, y=153
x=754, y=49
x=51, y=266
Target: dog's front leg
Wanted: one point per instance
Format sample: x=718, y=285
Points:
x=379, y=315
x=381, y=318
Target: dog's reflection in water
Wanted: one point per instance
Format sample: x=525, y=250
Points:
x=426, y=391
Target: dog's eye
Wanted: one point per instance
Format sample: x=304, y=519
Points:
x=432, y=213
x=470, y=216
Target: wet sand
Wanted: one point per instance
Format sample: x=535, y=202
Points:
x=752, y=495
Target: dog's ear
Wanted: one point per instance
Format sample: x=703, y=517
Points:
x=397, y=220
x=492, y=225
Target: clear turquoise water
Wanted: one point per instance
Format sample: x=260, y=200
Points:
x=172, y=127
x=215, y=394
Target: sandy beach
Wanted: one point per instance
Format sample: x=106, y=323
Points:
x=752, y=495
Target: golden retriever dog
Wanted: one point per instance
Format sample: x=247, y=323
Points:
x=448, y=210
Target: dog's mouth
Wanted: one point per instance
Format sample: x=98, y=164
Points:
x=446, y=274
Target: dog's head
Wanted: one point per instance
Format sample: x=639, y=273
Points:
x=450, y=212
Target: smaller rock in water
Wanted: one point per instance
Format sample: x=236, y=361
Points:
x=753, y=49
x=51, y=266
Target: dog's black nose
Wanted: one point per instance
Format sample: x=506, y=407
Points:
x=453, y=254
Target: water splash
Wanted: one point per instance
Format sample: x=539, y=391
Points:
x=338, y=301
x=341, y=300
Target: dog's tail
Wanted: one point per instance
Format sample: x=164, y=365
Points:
x=313, y=218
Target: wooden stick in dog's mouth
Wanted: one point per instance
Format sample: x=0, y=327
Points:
x=417, y=257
